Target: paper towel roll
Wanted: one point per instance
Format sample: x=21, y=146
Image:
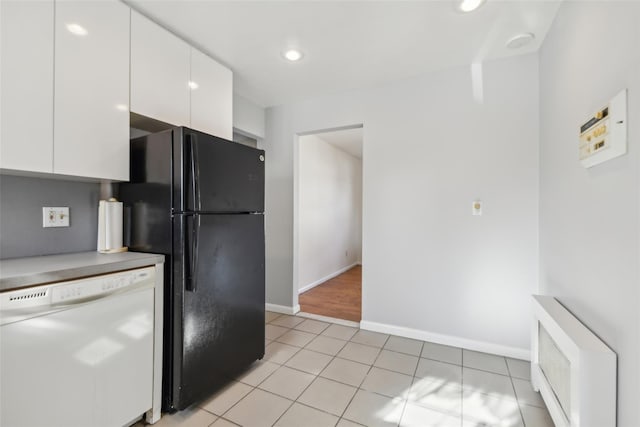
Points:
x=110, y=226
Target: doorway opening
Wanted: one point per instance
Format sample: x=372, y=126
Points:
x=328, y=223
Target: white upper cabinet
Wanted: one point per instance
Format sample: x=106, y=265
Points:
x=159, y=72
x=177, y=84
x=91, y=132
x=211, y=96
x=26, y=121
x=72, y=70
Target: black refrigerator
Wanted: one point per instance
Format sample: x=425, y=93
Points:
x=199, y=200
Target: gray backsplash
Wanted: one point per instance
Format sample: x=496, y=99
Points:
x=21, y=202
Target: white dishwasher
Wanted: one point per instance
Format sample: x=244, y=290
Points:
x=78, y=353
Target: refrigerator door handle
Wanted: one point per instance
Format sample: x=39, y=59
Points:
x=187, y=252
x=195, y=175
x=192, y=261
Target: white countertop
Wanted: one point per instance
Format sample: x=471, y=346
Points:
x=22, y=272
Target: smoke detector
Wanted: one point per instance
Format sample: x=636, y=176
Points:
x=520, y=40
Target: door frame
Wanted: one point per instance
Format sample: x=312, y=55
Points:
x=296, y=198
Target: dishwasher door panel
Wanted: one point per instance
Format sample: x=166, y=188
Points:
x=88, y=365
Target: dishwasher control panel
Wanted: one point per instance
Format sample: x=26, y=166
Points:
x=91, y=287
x=22, y=303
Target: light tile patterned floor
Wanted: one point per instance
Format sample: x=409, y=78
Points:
x=316, y=374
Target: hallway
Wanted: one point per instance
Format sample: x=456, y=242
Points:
x=340, y=297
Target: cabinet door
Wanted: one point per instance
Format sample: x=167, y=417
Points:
x=159, y=72
x=211, y=96
x=91, y=132
x=26, y=121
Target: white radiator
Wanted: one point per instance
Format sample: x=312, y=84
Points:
x=572, y=368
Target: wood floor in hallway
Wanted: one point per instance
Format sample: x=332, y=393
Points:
x=340, y=297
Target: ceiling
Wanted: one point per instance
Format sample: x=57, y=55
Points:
x=349, y=140
x=347, y=44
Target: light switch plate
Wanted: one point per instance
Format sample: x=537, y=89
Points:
x=476, y=208
x=55, y=217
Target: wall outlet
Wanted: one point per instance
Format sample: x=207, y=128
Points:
x=55, y=217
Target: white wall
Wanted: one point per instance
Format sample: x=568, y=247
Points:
x=329, y=211
x=589, y=218
x=282, y=124
x=248, y=117
x=429, y=151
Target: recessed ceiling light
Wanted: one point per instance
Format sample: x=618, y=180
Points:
x=77, y=29
x=122, y=107
x=293, y=55
x=469, y=5
x=193, y=85
x=520, y=40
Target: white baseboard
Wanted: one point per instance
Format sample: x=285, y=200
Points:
x=417, y=334
x=324, y=279
x=329, y=319
x=284, y=309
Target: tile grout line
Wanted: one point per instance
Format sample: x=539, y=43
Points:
x=356, y=387
x=229, y=421
x=317, y=333
x=396, y=351
x=370, y=366
x=391, y=370
x=333, y=357
x=292, y=401
x=321, y=352
x=462, y=388
x=298, y=349
x=415, y=370
x=285, y=411
x=269, y=322
x=256, y=388
x=479, y=369
x=364, y=379
x=222, y=418
x=265, y=391
x=235, y=404
x=513, y=386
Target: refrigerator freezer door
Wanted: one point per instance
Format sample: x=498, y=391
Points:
x=223, y=315
x=221, y=176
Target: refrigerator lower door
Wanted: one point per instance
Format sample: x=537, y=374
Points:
x=223, y=302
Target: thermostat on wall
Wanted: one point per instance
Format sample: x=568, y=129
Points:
x=604, y=135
